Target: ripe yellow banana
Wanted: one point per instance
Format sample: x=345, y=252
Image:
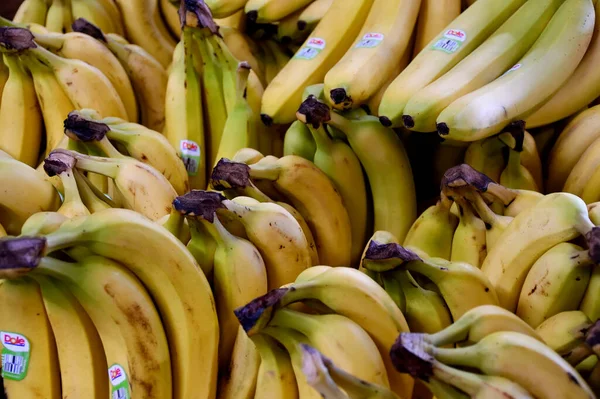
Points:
x=62, y=166
x=275, y=375
x=341, y=165
x=83, y=364
x=469, y=240
x=169, y=11
x=32, y=11
x=526, y=85
x=100, y=13
x=574, y=140
x=531, y=160
x=225, y=8
x=310, y=191
x=90, y=199
x=184, y=119
x=433, y=230
x=487, y=62
x=556, y=218
x=24, y=192
x=494, y=224
x=299, y=141
x=145, y=29
x=239, y=381
x=564, y=331
x=30, y=364
x=288, y=29
x=590, y=304
x=388, y=170
x=312, y=14
x=433, y=17
x=20, y=116
x=79, y=46
x=269, y=11
x=326, y=45
x=585, y=81
x=378, y=48
x=486, y=156
x=516, y=175
x=449, y=47
x=555, y=283
x=59, y=17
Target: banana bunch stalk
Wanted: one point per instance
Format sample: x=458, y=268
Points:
x=341, y=330
x=112, y=314
x=485, y=364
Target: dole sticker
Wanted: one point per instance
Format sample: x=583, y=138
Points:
x=118, y=381
x=456, y=34
x=370, y=40
x=16, y=351
x=311, y=49
x=190, y=155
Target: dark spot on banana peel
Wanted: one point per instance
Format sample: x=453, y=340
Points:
x=408, y=356
x=21, y=254
x=487, y=289
x=249, y=314
x=533, y=290
x=228, y=174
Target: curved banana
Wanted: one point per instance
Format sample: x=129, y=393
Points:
x=487, y=157
x=564, y=331
x=433, y=17
x=20, y=115
x=590, y=304
x=469, y=240
x=299, y=141
x=312, y=14
x=269, y=11
x=169, y=11
x=276, y=377
x=526, y=85
x=72, y=205
x=100, y=13
x=240, y=379
x=326, y=45
x=378, y=48
x=494, y=224
x=32, y=11
x=59, y=17
x=450, y=46
x=555, y=283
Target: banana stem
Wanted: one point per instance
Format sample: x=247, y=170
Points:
x=55, y=42
x=102, y=166
x=264, y=171
x=47, y=58
x=238, y=209
x=339, y=122
x=71, y=191
x=107, y=148
x=483, y=210
x=322, y=139
x=456, y=356
x=94, y=190
x=174, y=222
x=318, y=376
x=254, y=192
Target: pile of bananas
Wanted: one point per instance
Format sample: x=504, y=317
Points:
x=240, y=199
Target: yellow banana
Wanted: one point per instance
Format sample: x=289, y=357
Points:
x=469, y=240
x=379, y=46
x=525, y=86
x=449, y=47
x=590, y=304
x=20, y=116
x=239, y=381
x=326, y=45
x=433, y=17
x=169, y=11
x=100, y=13
x=299, y=141
x=30, y=364
x=276, y=377
x=487, y=157
x=269, y=11
x=32, y=11
x=90, y=199
x=582, y=174
x=312, y=14
x=494, y=224
x=288, y=29
x=59, y=17
x=62, y=166
x=564, y=331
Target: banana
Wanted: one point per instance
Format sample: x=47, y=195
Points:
x=43, y=223
x=89, y=198
x=486, y=63
x=225, y=8
x=555, y=283
x=139, y=142
x=337, y=160
x=319, y=53
x=494, y=224
x=30, y=364
x=24, y=193
x=554, y=219
x=284, y=249
x=591, y=193
x=340, y=339
x=516, y=175
x=143, y=188
x=572, y=143
x=59, y=17
x=298, y=179
x=312, y=14
x=288, y=29
x=212, y=96
x=347, y=292
x=79, y=46
x=469, y=240
x=2, y=232
x=292, y=340
x=80, y=353
x=452, y=279
x=590, y=304
x=281, y=58
x=177, y=225
x=169, y=11
x=378, y=48
x=182, y=295
x=32, y=11
x=478, y=323
x=524, y=200
x=98, y=13
x=433, y=231
x=531, y=160
x=549, y=374
x=375, y=100
x=54, y=102
x=145, y=28
x=448, y=48
x=62, y=166
x=486, y=111
x=236, y=182
x=243, y=48
x=426, y=310
x=269, y=11
x=433, y=17
x=486, y=156
x=240, y=380
x=238, y=131
x=585, y=81
x=275, y=375
x=239, y=275
x=20, y=115
x=388, y=170
x=299, y=141
x=564, y=331
x=201, y=245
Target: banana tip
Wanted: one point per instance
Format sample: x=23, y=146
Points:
x=266, y=119
x=385, y=121
x=443, y=129
x=408, y=121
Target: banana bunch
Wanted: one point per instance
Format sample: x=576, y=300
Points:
x=94, y=295
x=336, y=317
x=498, y=356
x=47, y=75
